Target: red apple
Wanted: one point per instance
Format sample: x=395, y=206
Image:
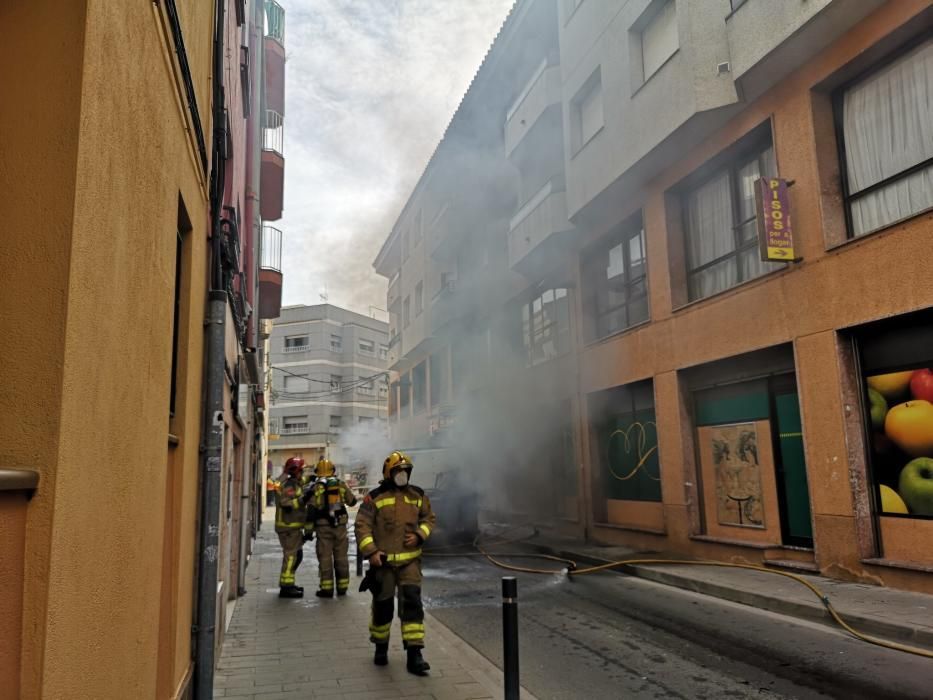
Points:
x=921, y=385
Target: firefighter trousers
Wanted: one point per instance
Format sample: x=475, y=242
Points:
x=406, y=580
x=333, y=554
x=291, y=541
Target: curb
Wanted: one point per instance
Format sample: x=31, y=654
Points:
x=484, y=671
x=814, y=612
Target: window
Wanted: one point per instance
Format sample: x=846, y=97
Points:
x=336, y=343
x=296, y=343
x=383, y=352
x=335, y=422
x=659, y=39
x=896, y=357
x=335, y=381
x=887, y=142
x=293, y=383
x=292, y=425
x=419, y=298
x=720, y=227
x=624, y=426
x=406, y=312
x=367, y=347
x=615, y=282
x=546, y=326
x=587, y=111
x=365, y=420
x=418, y=381
x=383, y=389
x=365, y=387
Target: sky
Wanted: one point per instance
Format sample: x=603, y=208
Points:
x=370, y=87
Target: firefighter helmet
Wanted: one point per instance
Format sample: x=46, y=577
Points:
x=393, y=461
x=294, y=466
x=324, y=468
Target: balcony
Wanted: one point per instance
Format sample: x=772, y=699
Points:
x=537, y=106
x=272, y=168
x=540, y=232
x=295, y=430
x=270, y=273
x=797, y=32
x=274, y=57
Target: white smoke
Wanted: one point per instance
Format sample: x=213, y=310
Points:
x=363, y=448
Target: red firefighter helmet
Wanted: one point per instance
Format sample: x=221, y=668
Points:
x=294, y=466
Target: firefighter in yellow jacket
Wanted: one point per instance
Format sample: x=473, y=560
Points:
x=393, y=522
x=327, y=513
x=290, y=517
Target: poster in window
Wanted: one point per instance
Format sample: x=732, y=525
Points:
x=900, y=412
x=633, y=471
x=734, y=450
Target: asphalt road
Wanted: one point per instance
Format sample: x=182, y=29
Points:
x=613, y=636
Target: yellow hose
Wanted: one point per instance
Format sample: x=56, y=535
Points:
x=572, y=570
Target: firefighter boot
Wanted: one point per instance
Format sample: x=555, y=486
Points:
x=416, y=662
x=325, y=594
x=291, y=592
x=381, y=658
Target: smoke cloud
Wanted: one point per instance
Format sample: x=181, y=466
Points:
x=371, y=86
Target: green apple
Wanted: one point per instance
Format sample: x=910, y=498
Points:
x=916, y=485
x=879, y=408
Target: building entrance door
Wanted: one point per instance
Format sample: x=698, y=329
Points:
x=793, y=493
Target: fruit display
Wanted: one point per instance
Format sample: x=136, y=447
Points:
x=900, y=406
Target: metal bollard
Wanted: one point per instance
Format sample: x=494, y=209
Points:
x=510, y=636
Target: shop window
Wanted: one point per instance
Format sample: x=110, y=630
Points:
x=405, y=394
x=546, y=326
x=626, y=436
x=438, y=378
x=886, y=141
x=615, y=283
x=719, y=221
x=897, y=373
x=418, y=381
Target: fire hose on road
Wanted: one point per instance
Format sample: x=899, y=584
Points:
x=571, y=570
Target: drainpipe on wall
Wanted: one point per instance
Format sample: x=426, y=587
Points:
x=213, y=429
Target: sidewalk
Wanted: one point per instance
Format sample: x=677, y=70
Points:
x=280, y=649
x=895, y=615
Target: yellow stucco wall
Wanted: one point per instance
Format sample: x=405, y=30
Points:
x=92, y=180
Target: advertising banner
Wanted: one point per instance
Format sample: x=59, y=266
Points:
x=772, y=206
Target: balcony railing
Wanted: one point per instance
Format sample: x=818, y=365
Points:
x=270, y=249
x=273, y=132
x=295, y=430
x=275, y=21
x=297, y=348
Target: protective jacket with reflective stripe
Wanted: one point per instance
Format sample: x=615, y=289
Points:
x=290, y=510
x=387, y=514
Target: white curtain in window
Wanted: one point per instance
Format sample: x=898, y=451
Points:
x=888, y=127
x=709, y=235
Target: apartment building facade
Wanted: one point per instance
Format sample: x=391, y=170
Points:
x=130, y=474
x=329, y=392
x=609, y=334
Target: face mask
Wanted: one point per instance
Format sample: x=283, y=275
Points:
x=401, y=479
